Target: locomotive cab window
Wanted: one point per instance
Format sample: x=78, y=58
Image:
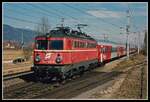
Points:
x=41, y=44
x=56, y=45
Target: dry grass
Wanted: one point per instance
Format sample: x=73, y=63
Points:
x=130, y=62
x=131, y=86
x=12, y=54
x=9, y=68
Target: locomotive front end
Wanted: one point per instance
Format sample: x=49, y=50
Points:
x=48, y=57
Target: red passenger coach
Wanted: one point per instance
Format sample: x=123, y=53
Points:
x=104, y=53
x=108, y=51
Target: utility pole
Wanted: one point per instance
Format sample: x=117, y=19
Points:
x=134, y=39
x=105, y=37
x=127, y=30
x=138, y=42
x=121, y=30
x=22, y=42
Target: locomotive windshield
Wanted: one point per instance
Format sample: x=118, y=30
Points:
x=41, y=44
x=56, y=45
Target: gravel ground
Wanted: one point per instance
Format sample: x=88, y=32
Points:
x=131, y=87
x=125, y=86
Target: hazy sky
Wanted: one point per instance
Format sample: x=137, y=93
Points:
x=101, y=18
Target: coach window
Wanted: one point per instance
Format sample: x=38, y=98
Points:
x=93, y=45
x=80, y=44
x=77, y=44
x=74, y=44
x=84, y=45
x=113, y=49
x=89, y=45
x=56, y=45
x=102, y=51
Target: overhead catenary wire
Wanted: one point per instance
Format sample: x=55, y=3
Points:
x=79, y=10
x=21, y=13
x=57, y=14
x=96, y=18
x=63, y=13
x=76, y=18
x=47, y=11
x=23, y=20
x=35, y=11
x=117, y=19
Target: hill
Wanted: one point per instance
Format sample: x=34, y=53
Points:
x=12, y=33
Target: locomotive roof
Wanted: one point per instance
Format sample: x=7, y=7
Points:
x=67, y=32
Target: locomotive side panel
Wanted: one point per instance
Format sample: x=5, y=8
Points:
x=83, y=55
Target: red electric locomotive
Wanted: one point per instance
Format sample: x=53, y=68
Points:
x=63, y=53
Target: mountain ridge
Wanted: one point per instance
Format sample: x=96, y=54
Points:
x=13, y=33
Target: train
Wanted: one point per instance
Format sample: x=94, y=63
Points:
x=63, y=53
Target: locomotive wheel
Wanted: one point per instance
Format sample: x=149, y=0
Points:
x=78, y=76
x=74, y=77
x=81, y=71
x=57, y=84
x=63, y=82
x=69, y=79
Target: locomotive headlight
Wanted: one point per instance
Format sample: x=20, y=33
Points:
x=37, y=58
x=58, y=59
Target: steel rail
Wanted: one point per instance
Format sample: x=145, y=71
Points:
x=12, y=76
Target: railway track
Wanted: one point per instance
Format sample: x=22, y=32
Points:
x=16, y=75
x=84, y=85
x=69, y=92
x=72, y=88
x=16, y=71
x=43, y=88
x=18, y=65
